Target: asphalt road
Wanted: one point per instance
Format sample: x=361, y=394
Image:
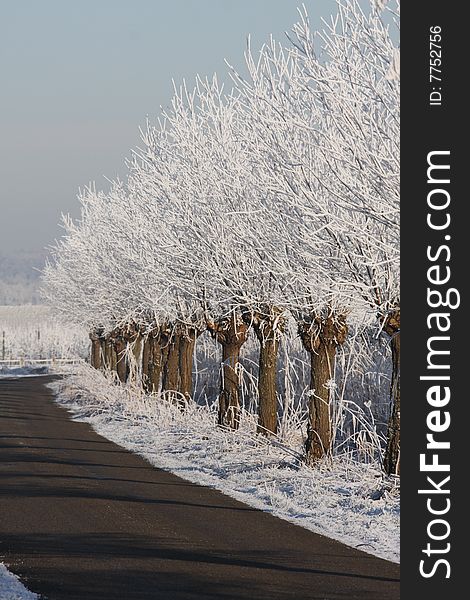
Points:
x=82, y=518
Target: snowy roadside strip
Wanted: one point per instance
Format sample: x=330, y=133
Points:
x=345, y=500
x=11, y=587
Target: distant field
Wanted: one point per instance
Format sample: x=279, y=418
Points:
x=33, y=332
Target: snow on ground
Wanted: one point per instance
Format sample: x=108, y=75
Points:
x=11, y=588
x=345, y=500
x=34, y=332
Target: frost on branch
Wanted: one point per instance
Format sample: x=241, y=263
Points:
x=260, y=213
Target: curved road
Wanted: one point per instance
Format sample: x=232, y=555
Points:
x=82, y=518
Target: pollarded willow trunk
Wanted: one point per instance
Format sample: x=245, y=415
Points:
x=165, y=350
x=188, y=339
x=321, y=338
x=146, y=356
x=152, y=361
x=103, y=351
x=157, y=356
x=171, y=371
x=392, y=450
x=135, y=339
x=267, y=385
x=268, y=326
x=119, y=343
x=110, y=354
x=231, y=333
x=95, y=358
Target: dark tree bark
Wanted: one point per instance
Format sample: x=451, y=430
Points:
x=146, y=358
x=186, y=357
x=171, y=371
x=110, y=355
x=392, y=450
x=105, y=352
x=95, y=359
x=267, y=386
x=119, y=343
x=136, y=339
x=321, y=338
x=103, y=349
x=231, y=333
x=152, y=361
x=267, y=324
x=156, y=363
x=165, y=350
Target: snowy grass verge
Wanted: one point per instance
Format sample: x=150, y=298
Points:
x=343, y=499
x=11, y=587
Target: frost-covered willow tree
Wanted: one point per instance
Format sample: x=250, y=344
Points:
x=351, y=74
x=280, y=197
x=324, y=137
x=106, y=275
x=161, y=325
x=299, y=252
x=155, y=174
x=208, y=180
x=75, y=281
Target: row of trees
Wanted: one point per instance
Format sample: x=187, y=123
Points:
x=278, y=198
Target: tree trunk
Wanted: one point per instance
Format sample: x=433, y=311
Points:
x=186, y=356
x=267, y=386
x=392, y=450
x=321, y=338
x=103, y=349
x=121, y=362
x=146, y=358
x=229, y=402
x=318, y=442
x=136, y=370
x=165, y=351
x=156, y=363
x=171, y=374
x=231, y=333
x=110, y=355
x=267, y=327
x=95, y=351
x=104, y=352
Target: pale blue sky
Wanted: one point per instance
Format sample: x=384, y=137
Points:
x=78, y=77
